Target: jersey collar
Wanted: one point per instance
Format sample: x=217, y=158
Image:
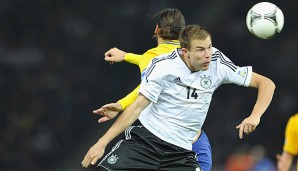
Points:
x=172, y=42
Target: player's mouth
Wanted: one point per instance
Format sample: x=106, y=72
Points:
x=206, y=63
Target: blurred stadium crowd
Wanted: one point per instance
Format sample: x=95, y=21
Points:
x=52, y=74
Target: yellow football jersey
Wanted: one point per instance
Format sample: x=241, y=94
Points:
x=291, y=136
x=142, y=61
x=291, y=139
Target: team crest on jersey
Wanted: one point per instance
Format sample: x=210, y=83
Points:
x=242, y=73
x=112, y=159
x=205, y=81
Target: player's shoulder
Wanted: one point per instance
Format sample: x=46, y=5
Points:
x=294, y=119
x=214, y=49
x=160, y=66
x=163, y=64
x=216, y=53
x=159, y=50
x=165, y=58
x=158, y=62
x=219, y=56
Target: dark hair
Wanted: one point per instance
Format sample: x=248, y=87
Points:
x=190, y=33
x=170, y=23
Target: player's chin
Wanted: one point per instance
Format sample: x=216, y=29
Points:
x=205, y=67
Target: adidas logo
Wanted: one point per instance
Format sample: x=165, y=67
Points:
x=177, y=80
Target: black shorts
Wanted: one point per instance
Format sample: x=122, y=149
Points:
x=143, y=151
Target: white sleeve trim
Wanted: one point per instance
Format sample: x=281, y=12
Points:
x=248, y=77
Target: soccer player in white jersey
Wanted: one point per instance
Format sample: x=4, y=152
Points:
x=172, y=105
x=169, y=23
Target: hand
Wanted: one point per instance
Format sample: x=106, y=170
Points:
x=279, y=162
x=248, y=125
x=114, y=55
x=109, y=111
x=94, y=153
x=284, y=161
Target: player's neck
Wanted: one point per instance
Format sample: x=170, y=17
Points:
x=159, y=40
x=186, y=59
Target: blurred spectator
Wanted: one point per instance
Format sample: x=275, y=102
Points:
x=240, y=159
x=261, y=161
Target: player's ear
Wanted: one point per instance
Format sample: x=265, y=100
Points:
x=156, y=30
x=184, y=51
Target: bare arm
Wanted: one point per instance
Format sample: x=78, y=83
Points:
x=124, y=121
x=117, y=55
x=284, y=161
x=265, y=93
x=109, y=111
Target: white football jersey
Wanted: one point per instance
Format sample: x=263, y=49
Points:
x=181, y=98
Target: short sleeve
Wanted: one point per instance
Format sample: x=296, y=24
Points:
x=231, y=73
x=151, y=85
x=241, y=76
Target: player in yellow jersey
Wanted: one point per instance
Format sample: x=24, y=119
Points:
x=117, y=55
x=169, y=24
x=290, y=148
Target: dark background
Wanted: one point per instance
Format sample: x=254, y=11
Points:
x=53, y=74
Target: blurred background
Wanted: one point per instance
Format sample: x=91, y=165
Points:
x=53, y=74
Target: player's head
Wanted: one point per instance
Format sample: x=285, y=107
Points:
x=169, y=24
x=196, y=45
x=192, y=32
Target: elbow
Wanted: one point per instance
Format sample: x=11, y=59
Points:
x=270, y=84
x=263, y=82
